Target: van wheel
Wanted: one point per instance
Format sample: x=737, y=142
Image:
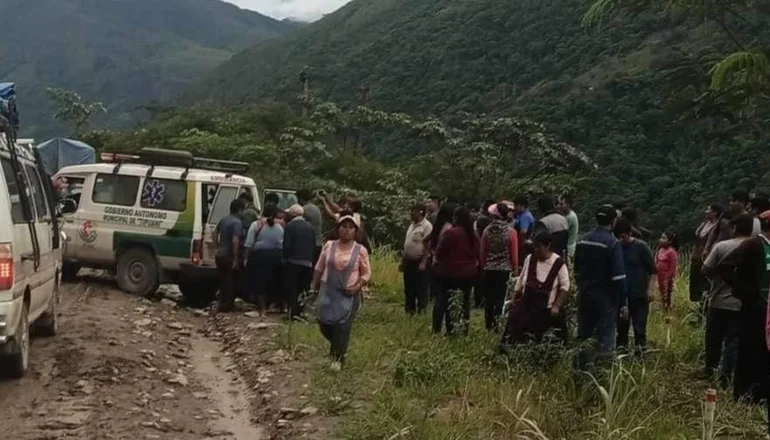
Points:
x=69, y=271
x=138, y=272
x=198, y=296
x=16, y=364
x=48, y=324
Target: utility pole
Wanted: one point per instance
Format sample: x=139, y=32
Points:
x=303, y=78
x=363, y=99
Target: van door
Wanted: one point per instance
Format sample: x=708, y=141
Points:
x=219, y=209
x=42, y=286
x=72, y=187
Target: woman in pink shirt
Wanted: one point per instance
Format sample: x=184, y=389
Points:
x=666, y=261
x=341, y=273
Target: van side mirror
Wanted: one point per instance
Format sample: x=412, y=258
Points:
x=67, y=206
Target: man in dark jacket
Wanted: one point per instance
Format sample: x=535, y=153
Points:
x=601, y=282
x=299, y=238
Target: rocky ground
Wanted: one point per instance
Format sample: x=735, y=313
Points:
x=124, y=367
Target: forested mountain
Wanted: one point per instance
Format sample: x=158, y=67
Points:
x=125, y=53
x=630, y=94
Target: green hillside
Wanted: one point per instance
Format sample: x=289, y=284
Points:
x=125, y=53
x=622, y=93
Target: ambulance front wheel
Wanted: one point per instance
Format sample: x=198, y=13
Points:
x=138, y=272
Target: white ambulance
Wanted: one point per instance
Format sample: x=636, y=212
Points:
x=150, y=218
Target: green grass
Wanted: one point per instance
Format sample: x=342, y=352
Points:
x=402, y=382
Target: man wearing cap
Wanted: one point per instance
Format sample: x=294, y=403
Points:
x=299, y=239
x=601, y=282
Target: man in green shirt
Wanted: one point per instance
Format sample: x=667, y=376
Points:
x=250, y=214
x=566, y=204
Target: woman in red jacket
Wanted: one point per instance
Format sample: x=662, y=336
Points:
x=457, y=265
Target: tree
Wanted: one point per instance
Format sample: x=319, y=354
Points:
x=72, y=108
x=742, y=75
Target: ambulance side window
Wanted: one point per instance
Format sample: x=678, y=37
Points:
x=114, y=189
x=168, y=195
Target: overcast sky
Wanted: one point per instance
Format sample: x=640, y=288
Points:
x=305, y=10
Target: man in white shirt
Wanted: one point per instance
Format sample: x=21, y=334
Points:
x=414, y=263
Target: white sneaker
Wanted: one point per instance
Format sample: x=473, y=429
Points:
x=336, y=366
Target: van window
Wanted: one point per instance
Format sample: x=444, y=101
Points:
x=114, y=189
x=38, y=193
x=17, y=213
x=71, y=188
x=168, y=195
x=222, y=202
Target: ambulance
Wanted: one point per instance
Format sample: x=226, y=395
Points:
x=150, y=218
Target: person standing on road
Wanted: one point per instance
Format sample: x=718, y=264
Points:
x=264, y=246
x=745, y=270
x=312, y=214
x=499, y=259
x=567, y=208
x=299, y=240
x=723, y=318
x=229, y=233
x=523, y=220
x=250, y=214
x=640, y=270
x=538, y=296
x=601, y=284
x=415, y=261
x=457, y=265
x=341, y=273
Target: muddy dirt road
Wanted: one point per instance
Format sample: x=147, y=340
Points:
x=126, y=368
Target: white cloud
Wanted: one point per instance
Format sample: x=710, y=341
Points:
x=306, y=10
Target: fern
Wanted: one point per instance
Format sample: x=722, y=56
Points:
x=747, y=68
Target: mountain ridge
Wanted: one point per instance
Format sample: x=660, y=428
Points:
x=124, y=53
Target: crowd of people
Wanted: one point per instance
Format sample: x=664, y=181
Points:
x=517, y=266
x=274, y=258
x=509, y=256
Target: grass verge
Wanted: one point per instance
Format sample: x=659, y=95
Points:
x=403, y=382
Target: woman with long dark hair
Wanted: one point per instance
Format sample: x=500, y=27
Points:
x=442, y=224
x=264, y=246
x=457, y=266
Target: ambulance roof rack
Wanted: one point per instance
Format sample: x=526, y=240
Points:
x=184, y=159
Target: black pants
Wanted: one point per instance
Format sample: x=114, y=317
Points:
x=227, y=280
x=722, y=341
x=415, y=287
x=338, y=335
x=495, y=289
x=296, y=281
x=478, y=292
x=441, y=309
x=638, y=310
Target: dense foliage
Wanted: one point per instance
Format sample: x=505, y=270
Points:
x=635, y=94
x=124, y=53
x=323, y=150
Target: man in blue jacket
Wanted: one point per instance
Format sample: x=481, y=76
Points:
x=601, y=284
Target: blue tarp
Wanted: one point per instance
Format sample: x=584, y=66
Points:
x=9, y=114
x=59, y=153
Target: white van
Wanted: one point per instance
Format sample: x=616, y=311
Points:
x=151, y=218
x=30, y=255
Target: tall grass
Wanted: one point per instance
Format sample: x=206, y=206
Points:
x=403, y=382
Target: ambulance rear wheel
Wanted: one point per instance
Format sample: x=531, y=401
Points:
x=137, y=272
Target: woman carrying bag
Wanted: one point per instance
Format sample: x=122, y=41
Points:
x=341, y=273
